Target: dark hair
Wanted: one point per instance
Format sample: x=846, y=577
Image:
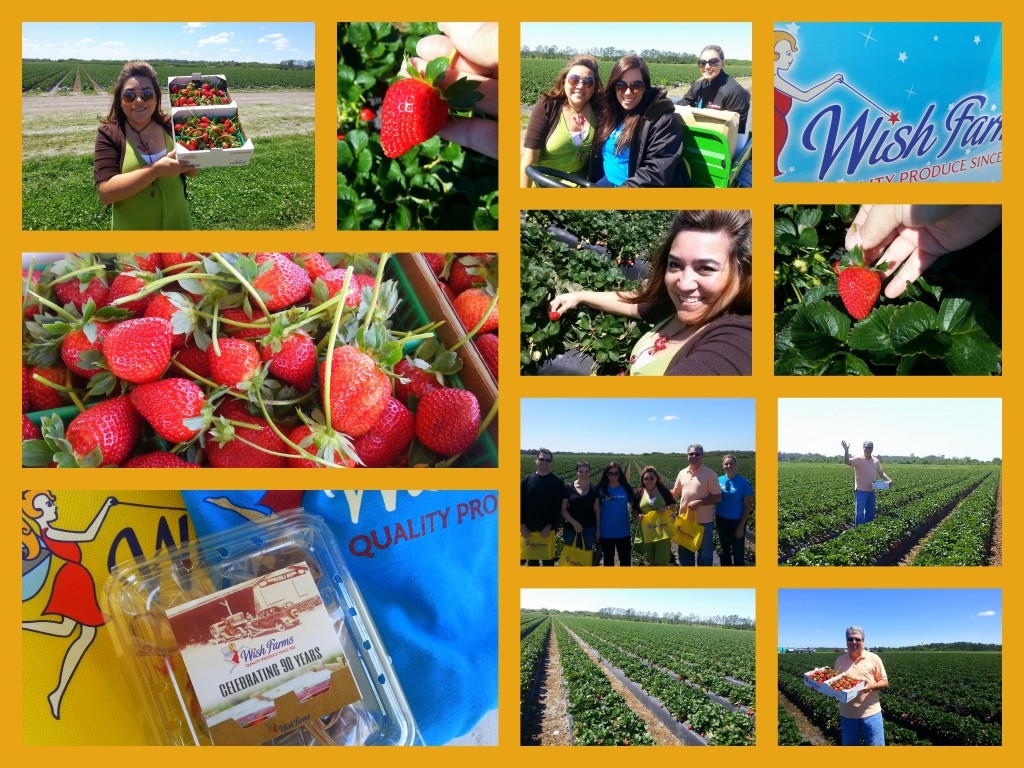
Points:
x=543, y=451
x=716, y=48
x=557, y=91
x=582, y=464
x=602, y=486
x=137, y=69
x=736, y=226
x=663, y=490
x=614, y=114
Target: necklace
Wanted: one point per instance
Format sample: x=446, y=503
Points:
x=580, y=134
x=144, y=149
x=660, y=343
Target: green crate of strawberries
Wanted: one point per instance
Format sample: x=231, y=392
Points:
x=230, y=360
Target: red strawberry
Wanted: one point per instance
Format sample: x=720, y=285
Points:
x=859, y=285
x=175, y=308
x=145, y=262
x=158, y=460
x=237, y=315
x=73, y=292
x=26, y=388
x=436, y=261
x=113, y=426
x=469, y=271
x=171, y=260
x=139, y=350
x=42, y=397
x=126, y=284
x=471, y=307
x=29, y=431
x=77, y=342
x=553, y=316
x=447, y=420
x=420, y=381
x=319, y=442
x=388, y=438
x=294, y=360
x=487, y=346
x=314, y=263
x=335, y=279
x=235, y=363
x=415, y=109
x=195, y=359
x=166, y=403
x=284, y=284
x=358, y=391
x=367, y=114
x=227, y=448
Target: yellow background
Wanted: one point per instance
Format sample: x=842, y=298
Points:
x=874, y=395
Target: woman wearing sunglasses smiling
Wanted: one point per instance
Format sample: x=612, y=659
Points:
x=715, y=89
x=560, y=134
x=640, y=139
x=134, y=167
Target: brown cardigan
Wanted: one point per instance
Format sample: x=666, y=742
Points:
x=111, y=144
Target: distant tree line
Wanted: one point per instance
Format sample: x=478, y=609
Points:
x=668, y=617
x=610, y=53
x=960, y=645
x=817, y=458
x=287, y=64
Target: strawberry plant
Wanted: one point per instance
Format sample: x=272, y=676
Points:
x=833, y=321
x=436, y=184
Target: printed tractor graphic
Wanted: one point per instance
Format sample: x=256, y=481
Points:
x=274, y=599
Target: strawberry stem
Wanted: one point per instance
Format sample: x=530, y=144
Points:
x=246, y=286
x=376, y=290
x=335, y=324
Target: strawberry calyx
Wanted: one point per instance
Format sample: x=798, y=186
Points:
x=460, y=95
x=855, y=258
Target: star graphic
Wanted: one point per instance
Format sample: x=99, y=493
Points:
x=936, y=38
x=993, y=107
x=977, y=39
x=868, y=38
x=894, y=117
x=967, y=151
x=793, y=28
x=791, y=169
x=902, y=57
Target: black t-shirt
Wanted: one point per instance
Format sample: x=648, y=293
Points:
x=540, y=501
x=581, y=505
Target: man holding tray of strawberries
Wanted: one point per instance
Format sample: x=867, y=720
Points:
x=862, y=715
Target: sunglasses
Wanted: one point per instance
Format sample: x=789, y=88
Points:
x=637, y=86
x=708, y=63
x=588, y=82
x=129, y=97
x=855, y=639
x=695, y=454
x=613, y=472
x=543, y=461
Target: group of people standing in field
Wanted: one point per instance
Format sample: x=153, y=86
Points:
x=599, y=515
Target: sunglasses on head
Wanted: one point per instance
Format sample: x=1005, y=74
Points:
x=621, y=86
x=576, y=80
x=129, y=97
x=708, y=63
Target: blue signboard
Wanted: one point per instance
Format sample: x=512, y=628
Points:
x=898, y=102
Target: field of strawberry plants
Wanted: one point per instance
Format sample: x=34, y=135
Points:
x=265, y=360
x=538, y=75
x=932, y=515
x=436, y=184
x=920, y=706
x=573, y=250
x=41, y=76
x=947, y=322
x=699, y=681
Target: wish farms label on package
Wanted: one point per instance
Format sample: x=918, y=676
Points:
x=888, y=102
x=247, y=646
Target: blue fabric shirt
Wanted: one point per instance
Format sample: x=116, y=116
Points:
x=616, y=166
x=733, y=493
x=426, y=564
x=615, y=514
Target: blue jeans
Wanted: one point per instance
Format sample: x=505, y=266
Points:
x=732, y=548
x=871, y=728
x=864, y=507
x=706, y=554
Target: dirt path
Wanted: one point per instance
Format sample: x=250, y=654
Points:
x=809, y=731
x=996, y=552
x=549, y=724
x=77, y=87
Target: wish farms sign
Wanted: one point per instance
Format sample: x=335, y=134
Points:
x=888, y=102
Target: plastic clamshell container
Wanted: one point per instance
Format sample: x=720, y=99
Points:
x=828, y=690
x=140, y=593
x=880, y=485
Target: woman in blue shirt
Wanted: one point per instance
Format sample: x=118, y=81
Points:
x=732, y=512
x=617, y=500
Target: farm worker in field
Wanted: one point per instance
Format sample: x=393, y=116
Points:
x=583, y=514
x=732, y=511
x=640, y=139
x=561, y=131
x=910, y=238
x=785, y=91
x=655, y=497
x=862, y=716
x=542, y=500
x=698, y=297
x=866, y=470
x=617, y=503
x=134, y=167
x=715, y=89
x=698, y=492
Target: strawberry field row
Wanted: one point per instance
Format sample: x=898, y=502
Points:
x=600, y=716
x=36, y=74
x=44, y=75
x=532, y=649
x=680, y=693
x=965, y=536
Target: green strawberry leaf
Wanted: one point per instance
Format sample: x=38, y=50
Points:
x=435, y=70
x=845, y=364
x=872, y=334
x=819, y=330
x=462, y=94
x=36, y=453
x=973, y=354
x=914, y=331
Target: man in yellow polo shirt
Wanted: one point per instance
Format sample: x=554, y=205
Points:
x=698, y=491
x=866, y=470
x=862, y=715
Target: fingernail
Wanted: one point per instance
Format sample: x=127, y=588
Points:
x=852, y=238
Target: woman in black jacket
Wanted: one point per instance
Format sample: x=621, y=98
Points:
x=640, y=139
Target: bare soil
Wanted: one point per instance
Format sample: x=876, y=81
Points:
x=809, y=731
x=996, y=553
x=549, y=724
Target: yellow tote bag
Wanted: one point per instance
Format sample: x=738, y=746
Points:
x=656, y=525
x=687, y=532
x=576, y=554
x=537, y=547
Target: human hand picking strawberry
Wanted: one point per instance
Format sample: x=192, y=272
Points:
x=476, y=44
x=913, y=237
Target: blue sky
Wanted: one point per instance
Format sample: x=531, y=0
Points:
x=703, y=602
x=897, y=426
x=636, y=425
x=682, y=37
x=890, y=617
x=267, y=42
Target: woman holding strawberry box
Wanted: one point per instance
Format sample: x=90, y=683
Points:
x=134, y=167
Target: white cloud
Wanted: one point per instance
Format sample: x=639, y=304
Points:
x=986, y=613
x=669, y=418
x=222, y=39
x=278, y=41
x=192, y=26
x=268, y=38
